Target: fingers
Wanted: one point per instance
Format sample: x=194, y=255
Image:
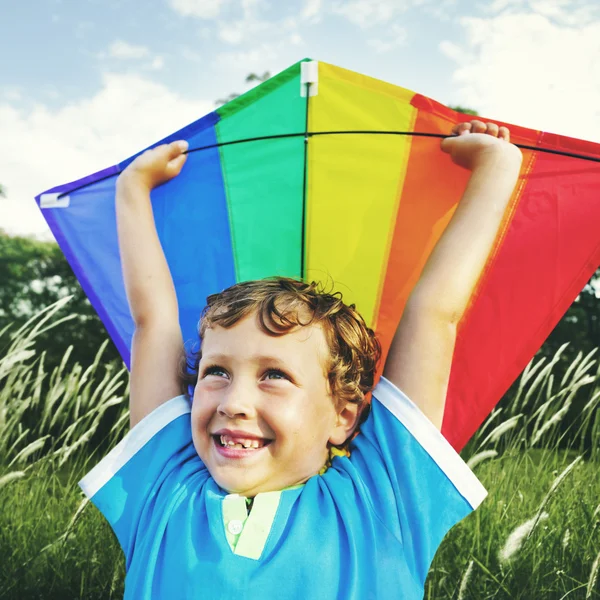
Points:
x=176, y=156
x=447, y=144
x=175, y=165
x=476, y=126
x=461, y=128
x=481, y=127
x=175, y=149
x=491, y=129
x=504, y=134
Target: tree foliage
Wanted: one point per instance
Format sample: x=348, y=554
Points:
x=465, y=111
x=581, y=324
x=251, y=78
x=34, y=274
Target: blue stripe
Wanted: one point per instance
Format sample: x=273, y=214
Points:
x=192, y=223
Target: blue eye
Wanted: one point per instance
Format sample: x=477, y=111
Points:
x=214, y=370
x=275, y=374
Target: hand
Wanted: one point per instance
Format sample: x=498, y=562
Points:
x=474, y=143
x=156, y=166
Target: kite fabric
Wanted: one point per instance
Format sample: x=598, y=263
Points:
x=323, y=173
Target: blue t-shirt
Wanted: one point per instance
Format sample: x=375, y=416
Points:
x=368, y=528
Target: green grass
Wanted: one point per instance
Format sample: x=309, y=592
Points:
x=547, y=565
x=46, y=552
x=45, y=555
x=538, y=456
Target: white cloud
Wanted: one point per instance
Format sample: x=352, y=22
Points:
x=121, y=49
x=245, y=21
x=245, y=30
x=42, y=148
x=395, y=36
x=295, y=39
x=453, y=51
x=249, y=6
x=251, y=27
x=498, y=6
x=233, y=33
x=311, y=10
x=543, y=75
x=366, y=13
x=191, y=55
x=562, y=12
x=204, y=9
x=12, y=93
x=158, y=62
x=567, y=12
x=443, y=10
x=248, y=61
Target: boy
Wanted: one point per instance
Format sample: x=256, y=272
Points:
x=227, y=495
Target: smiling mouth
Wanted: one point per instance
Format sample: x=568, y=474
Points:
x=226, y=441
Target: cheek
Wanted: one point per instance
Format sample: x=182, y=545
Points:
x=301, y=421
x=200, y=412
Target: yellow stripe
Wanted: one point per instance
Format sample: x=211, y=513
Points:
x=354, y=182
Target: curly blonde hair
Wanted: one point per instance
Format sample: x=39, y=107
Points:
x=282, y=304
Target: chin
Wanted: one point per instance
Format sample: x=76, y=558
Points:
x=235, y=485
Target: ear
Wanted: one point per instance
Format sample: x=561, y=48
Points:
x=346, y=421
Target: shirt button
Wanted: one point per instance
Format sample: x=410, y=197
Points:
x=235, y=527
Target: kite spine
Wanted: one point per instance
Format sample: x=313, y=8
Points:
x=309, y=81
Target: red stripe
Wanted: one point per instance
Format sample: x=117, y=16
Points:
x=549, y=252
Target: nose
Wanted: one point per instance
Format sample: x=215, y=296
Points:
x=238, y=400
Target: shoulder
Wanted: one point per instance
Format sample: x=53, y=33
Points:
x=153, y=440
x=399, y=434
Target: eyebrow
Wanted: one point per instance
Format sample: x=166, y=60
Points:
x=257, y=358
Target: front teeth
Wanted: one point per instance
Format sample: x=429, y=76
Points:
x=245, y=444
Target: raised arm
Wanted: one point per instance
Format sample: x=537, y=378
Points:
x=157, y=342
x=420, y=356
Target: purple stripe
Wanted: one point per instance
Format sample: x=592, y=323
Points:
x=123, y=346
x=86, y=285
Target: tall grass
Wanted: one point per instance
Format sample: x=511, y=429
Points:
x=53, y=415
x=52, y=424
x=539, y=457
x=537, y=535
x=544, y=414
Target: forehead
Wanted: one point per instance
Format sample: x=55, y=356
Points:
x=246, y=340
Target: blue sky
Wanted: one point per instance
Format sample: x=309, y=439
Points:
x=84, y=84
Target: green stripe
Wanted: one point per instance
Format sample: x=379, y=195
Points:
x=263, y=180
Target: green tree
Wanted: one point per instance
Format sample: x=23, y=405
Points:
x=251, y=78
x=34, y=274
x=466, y=111
x=580, y=326
x=259, y=78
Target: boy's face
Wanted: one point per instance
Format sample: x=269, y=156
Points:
x=271, y=388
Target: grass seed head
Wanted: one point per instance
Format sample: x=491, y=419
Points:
x=593, y=578
x=517, y=538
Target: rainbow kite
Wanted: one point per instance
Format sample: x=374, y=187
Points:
x=326, y=174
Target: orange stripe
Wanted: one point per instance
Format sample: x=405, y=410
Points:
x=432, y=188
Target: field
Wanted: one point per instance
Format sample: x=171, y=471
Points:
x=537, y=535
